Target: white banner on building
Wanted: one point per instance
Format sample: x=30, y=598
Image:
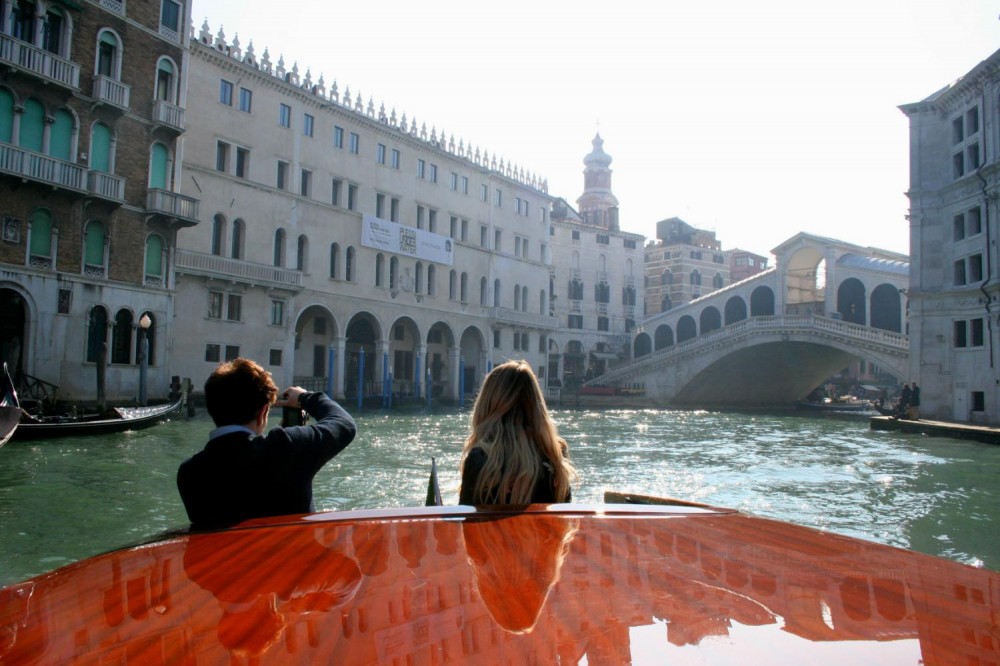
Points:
x=400, y=239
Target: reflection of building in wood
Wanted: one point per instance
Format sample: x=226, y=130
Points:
x=953, y=288
x=91, y=111
x=595, y=267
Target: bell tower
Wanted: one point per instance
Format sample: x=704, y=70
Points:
x=597, y=205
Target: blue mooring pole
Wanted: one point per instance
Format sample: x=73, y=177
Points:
x=417, y=376
x=331, y=364
x=361, y=378
x=461, y=381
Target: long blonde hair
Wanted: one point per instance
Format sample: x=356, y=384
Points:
x=511, y=423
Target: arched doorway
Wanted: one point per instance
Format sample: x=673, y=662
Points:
x=12, y=332
x=360, y=362
x=851, y=301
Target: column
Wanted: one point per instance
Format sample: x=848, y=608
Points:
x=453, y=355
x=340, y=349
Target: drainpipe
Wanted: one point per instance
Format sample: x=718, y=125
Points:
x=989, y=262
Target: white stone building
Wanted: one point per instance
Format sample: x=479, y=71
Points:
x=595, y=271
x=953, y=294
x=331, y=226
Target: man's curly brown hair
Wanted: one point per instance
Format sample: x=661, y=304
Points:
x=237, y=390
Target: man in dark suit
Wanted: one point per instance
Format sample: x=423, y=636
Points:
x=243, y=473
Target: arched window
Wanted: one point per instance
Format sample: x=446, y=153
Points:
x=166, y=81
x=121, y=337
x=40, y=247
x=717, y=281
x=159, y=160
x=452, y=284
x=465, y=288
x=154, y=260
x=239, y=236
x=541, y=302
x=279, y=247
x=418, y=279
x=393, y=273
x=431, y=288
x=302, y=253
x=55, y=32
x=218, y=234
x=101, y=154
x=517, y=297
x=97, y=332
x=109, y=55
x=61, y=135
x=94, y=242
x=524, y=299
x=32, y=132
x=666, y=277
x=22, y=21
x=602, y=263
x=379, y=262
x=695, y=277
x=349, y=265
x=496, y=293
x=6, y=116
x=482, y=290
x=334, y=260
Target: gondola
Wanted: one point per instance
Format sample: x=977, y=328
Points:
x=115, y=419
x=622, y=582
x=10, y=408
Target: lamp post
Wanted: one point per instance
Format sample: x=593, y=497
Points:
x=144, y=324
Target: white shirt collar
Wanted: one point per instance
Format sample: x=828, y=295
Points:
x=228, y=429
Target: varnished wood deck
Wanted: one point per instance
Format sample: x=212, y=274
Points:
x=608, y=584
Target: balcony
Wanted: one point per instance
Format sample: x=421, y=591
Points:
x=116, y=6
x=602, y=276
x=575, y=274
x=111, y=92
x=214, y=266
x=514, y=317
x=168, y=115
x=602, y=309
x=630, y=281
x=575, y=305
x=49, y=67
x=41, y=168
x=175, y=207
x=106, y=186
x=630, y=312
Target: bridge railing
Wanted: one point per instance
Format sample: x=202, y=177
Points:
x=776, y=323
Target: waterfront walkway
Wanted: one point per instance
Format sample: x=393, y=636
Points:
x=980, y=433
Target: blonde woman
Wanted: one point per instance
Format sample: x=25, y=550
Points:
x=514, y=454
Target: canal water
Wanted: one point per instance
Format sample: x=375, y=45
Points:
x=63, y=500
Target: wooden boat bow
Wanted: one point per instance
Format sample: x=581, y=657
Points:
x=546, y=584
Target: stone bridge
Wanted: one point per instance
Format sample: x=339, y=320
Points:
x=770, y=339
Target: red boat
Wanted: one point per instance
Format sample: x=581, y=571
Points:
x=608, y=584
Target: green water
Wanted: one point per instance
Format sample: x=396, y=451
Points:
x=66, y=499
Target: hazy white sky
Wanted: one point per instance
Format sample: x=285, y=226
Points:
x=755, y=119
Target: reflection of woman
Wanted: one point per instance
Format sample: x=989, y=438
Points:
x=516, y=562
x=514, y=454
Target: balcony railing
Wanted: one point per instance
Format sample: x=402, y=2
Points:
x=111, y=92
x=168, y=115
x=509, y=316
x=602, y=276
x=574, y=273
x=575, y=305
x=36, y=166
x=210, y=265
x=39, y=62
x=106, y=185
x=630, y=312
x=602, y=309
x=172, y=205
x=629, y=280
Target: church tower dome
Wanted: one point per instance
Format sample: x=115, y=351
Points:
x=598, y=205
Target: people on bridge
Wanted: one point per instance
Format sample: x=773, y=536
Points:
x=513, y=454
x=242, y=473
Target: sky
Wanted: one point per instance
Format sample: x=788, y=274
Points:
x=757, y=120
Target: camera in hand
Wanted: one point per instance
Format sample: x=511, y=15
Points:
x=292, y=416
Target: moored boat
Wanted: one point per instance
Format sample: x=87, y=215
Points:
x=839, y=405
x=612, y=583
x=116, y=419
x=10, y=408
